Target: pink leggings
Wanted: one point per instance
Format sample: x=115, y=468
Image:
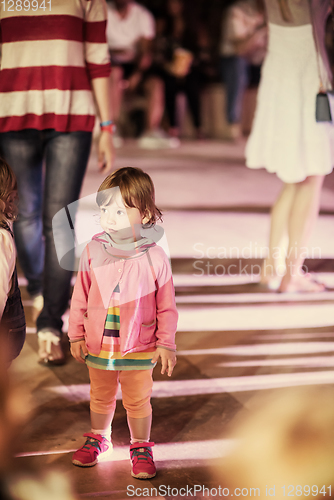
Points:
x=136, y=391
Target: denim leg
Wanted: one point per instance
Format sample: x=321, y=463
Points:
x=23, y=150
x=234, y=73
x=65, y=165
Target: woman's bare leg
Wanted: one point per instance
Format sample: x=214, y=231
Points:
x=274, y=264
x=304, y=212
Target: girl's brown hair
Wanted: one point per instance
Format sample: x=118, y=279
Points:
x=137, y=191
x=8, y=184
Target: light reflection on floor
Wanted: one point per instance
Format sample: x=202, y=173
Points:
x=263, y=349
x=261, y=317
x=314, y=361
x=184, y=451
x=177, y=388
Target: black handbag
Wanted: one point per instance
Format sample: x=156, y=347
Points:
x=324, y=103
x=324, y=106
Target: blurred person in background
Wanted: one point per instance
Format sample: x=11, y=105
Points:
x=287, y=140
x=180, y=39
x=282, y=445
x=54, y=66
x=242, y=49
x=130, y=32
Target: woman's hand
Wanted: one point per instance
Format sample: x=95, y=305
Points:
x=106, y=152
x=79, y=350
x=168, y=360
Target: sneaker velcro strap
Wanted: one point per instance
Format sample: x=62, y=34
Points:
x=134, y=446
x=96, y=437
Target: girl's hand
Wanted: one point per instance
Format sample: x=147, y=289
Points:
x=78, y=349
x=168, y=360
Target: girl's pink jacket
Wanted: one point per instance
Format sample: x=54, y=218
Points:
x=148, y=315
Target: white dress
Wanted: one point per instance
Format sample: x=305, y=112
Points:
x=285, y=138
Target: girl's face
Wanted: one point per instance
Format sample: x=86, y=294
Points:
x=119, y=221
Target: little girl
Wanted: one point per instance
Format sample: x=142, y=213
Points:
x=12, y=319
x=123, y=316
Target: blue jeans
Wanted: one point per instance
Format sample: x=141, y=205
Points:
x=234, y=73
x=42, y=193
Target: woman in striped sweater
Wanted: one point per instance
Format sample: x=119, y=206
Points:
x=54, y=65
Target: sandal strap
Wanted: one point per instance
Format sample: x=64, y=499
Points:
x=49, y=338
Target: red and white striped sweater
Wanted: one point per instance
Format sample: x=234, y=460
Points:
x=49, y=57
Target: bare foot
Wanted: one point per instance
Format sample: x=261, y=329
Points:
x=301, y=284
x=268, y=278
x=271, y=285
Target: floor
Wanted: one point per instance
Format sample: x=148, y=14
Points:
x=234, y=340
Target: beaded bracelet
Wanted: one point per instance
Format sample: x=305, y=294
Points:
x=108, y=126
x=107, y=122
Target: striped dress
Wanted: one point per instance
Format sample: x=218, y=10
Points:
x=110, y=357
x=49, y=57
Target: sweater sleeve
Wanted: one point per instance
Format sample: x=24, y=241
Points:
x=96, y=48
x=167, y=314
x=7, y=265
x=76, y=330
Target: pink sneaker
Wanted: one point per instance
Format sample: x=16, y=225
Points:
x=88, y=454
x=142, y=465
